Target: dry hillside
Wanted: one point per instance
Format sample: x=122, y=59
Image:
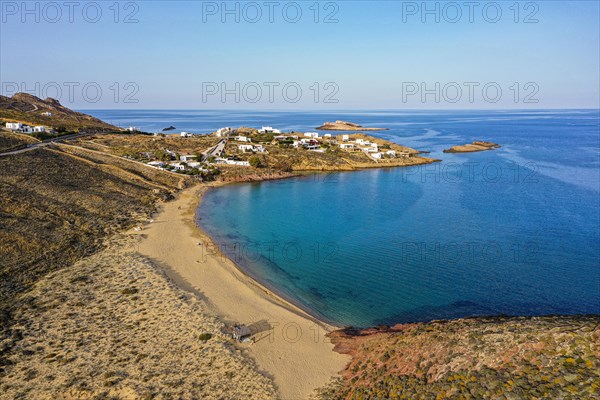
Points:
x=479, y=358
x=26, y=108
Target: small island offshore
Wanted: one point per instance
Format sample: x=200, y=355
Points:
x=346, y=126
x=109, y=289
x=477, y=145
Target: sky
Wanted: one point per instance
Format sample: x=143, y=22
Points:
x=303, y=55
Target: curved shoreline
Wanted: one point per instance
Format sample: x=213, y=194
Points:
x=291, y=345
x=278, y=296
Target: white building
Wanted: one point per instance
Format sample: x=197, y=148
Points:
x=243, y=139
x=327, y=136
x=232, y=162
x=345, y=138
x=186, y=134
x=27, y=129
x=156, y=164
x=193, y=164
x=224, y=132
x=178, y=166
x=285, y=137
x=188, y=157
x=347, y=146
x=269, y=129
x=40, y=128
x=310, y=144
x=313, y=135
x=391, y=153
x=239, y=163
x=246, y=147
x=377, y=156
x=133, y=129
x=47, y=114
x=14, y=126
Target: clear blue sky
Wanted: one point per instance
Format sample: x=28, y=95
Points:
x=374, y=54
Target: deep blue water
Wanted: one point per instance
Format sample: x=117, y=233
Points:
x=513, y=231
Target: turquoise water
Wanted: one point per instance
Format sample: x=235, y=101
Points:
x=514, y=231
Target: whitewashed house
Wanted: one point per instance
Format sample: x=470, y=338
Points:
x=186, y=134
x=391, y=153
x=377, y=156
x=243, y=139
x=310, y=144
x=345, y=138
x=194, y=164
x=313, y=135
x=47, y=114
x=27, y=129
x=327, y=136
x=225, y=132
x=347, y=146
x=133, y=129
x=188, y=157
x=14, y=126
x=239, y=163
x=41, y=129
x=156, y=164
x=269, y=129
x=246, y=148
x=178, y=166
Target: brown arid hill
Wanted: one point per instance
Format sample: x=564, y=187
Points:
x=555, y=357
x=26, y=108
x=82, y=314
x=473, y=147
x=113, y=327
x=346, y=126
x=56, y=206
x=9, y=140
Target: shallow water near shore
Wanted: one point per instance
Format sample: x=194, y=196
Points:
x=512, y=231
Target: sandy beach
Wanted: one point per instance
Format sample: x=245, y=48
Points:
x=290, y=345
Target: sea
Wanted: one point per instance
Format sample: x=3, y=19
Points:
x=513, y=231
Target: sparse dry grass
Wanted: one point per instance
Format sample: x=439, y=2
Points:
x=113, y=325
x=82, y=322
x=135, y=144
x=56, y=209
x=10, y=140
